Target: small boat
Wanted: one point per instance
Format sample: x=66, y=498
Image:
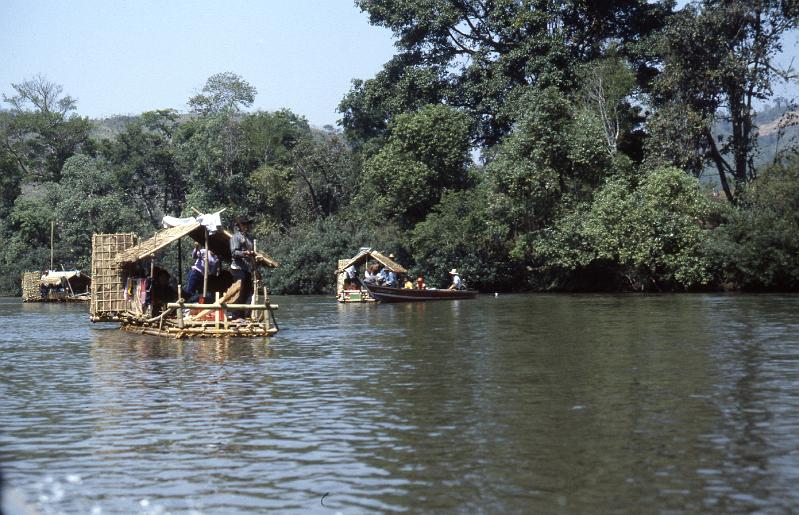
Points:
x=387, y=294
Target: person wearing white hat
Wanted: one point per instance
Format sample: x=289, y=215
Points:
x=457, y=284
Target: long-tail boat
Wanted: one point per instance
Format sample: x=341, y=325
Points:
x=387, y=294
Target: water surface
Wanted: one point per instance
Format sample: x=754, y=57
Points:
x=520, y=403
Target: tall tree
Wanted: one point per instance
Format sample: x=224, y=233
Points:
x=144, y=164
x=42, y=131
x=426, y=154
x=219, y=104
x=719, y=60
x=482, y=52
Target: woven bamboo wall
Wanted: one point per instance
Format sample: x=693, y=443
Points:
x=30, y=286
x=107, y=280
x=340, y=277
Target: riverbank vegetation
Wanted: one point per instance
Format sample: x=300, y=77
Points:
x=556, y=146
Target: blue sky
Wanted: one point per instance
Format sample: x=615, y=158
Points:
x=127, y=57
x=120, y=57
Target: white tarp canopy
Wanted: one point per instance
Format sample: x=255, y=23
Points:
x=56, y=277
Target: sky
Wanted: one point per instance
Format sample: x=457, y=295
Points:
x=127, y=57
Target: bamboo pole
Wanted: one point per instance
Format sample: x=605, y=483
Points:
x=268, y=314
x=180, y=264
x=180, y=306
x=52, y=238
x=254, y=275
x=205, y=268
x=221, y=305
x=152, y=281
x=68, y=285
x=216, y=312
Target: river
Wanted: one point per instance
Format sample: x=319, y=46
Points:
x=515, y=403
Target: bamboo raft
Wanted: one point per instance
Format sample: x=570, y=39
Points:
x=207, y=320
x=359, y=293
x=71, y=284
x=115, y=259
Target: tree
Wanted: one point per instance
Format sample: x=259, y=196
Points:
x=269, y=138
x=757, y=245
x=326, y=175
x=219, y=104
x=463, y=231
x=606, y=87
x=426, y=154
x=719, y=59
x=555, y=153
x=144, y=165
x=307, y=252
x=401, y=86
x=40, y=133
x=652, y=234
x=223, y=92
x=10, y=181
x=88, y=201
x=478, y=54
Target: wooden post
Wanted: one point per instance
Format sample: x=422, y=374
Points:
x=180, y=263
x=52, y=237
x=266, y=314
x=152, y=282
x=205, y=268
x=180, y=309
x=216, y=312
x=67, y=280
x=254, y=265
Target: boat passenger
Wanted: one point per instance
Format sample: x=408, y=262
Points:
x=408, y=284
x=44, y=290
x=351, y=280
x=457, y=284
x=388, y=278
x=241, y=249
x=371, y=274
x=195, y=279
x=420, y=285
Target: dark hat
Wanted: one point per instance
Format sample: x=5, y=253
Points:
x=244, y=220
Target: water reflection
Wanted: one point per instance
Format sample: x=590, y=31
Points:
x=518, y=403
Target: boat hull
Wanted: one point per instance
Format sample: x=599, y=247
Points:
x=386, y=294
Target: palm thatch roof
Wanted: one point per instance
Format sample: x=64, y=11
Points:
x=365, y=254
x=219, y=243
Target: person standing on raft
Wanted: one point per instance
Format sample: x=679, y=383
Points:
x=243, y=254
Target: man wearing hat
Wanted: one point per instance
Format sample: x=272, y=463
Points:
x=241, y=250
x=456, y=280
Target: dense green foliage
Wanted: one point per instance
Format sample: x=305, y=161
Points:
x=534, y=145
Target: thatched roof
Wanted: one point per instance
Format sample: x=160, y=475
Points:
x=219, y=243
x=365, y=254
